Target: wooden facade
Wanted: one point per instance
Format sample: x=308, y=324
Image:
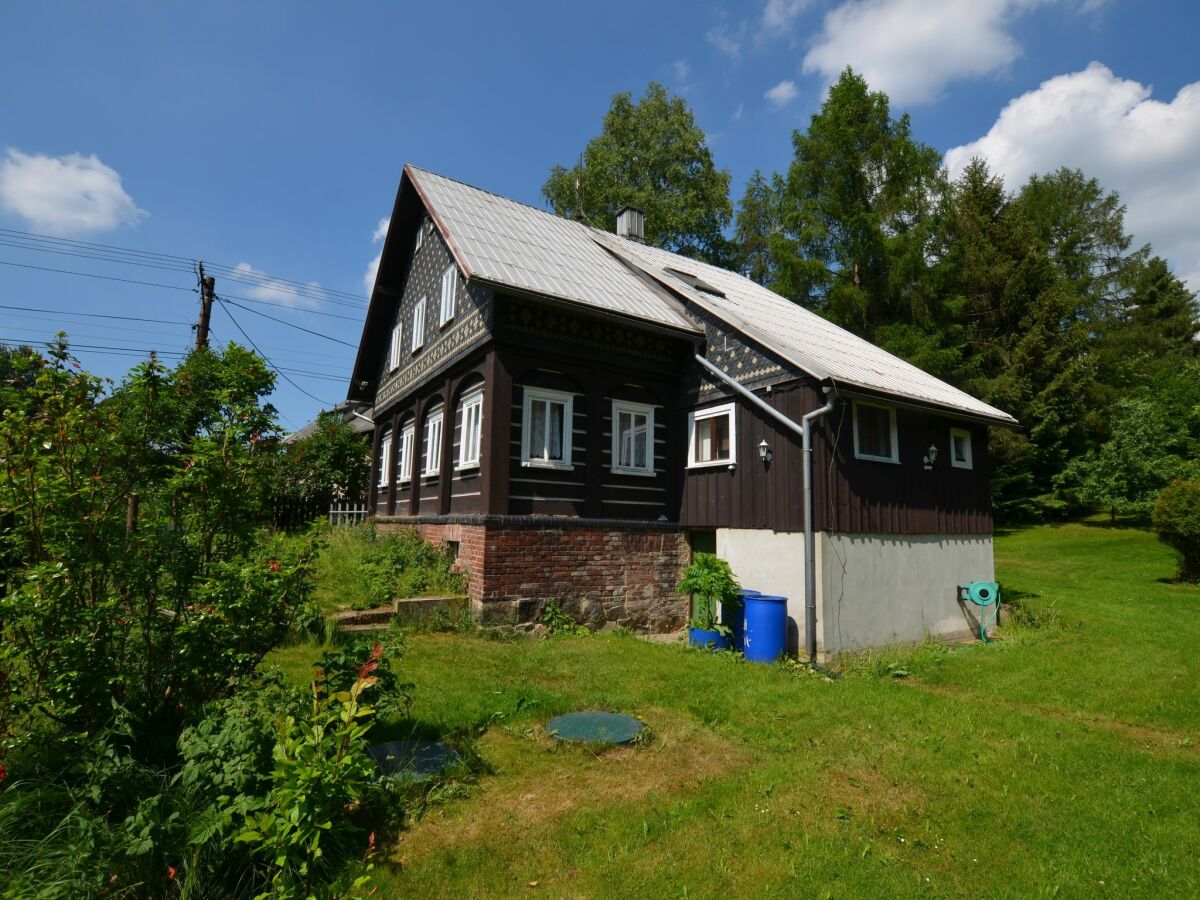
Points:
x=508, y=344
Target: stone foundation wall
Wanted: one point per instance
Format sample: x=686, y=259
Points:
x=602, y=572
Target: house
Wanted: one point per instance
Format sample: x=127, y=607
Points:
x=574, y=413
x=360, y=422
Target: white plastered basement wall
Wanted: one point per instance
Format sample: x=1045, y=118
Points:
x=872, y=589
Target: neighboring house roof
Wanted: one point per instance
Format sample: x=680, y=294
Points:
x=346, y=410
x=513, y=245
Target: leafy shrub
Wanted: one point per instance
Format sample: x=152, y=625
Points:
x=559, y=622
x=400, y=564
x=710, y=581
x=1177, y=521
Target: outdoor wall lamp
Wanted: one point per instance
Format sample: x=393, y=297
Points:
x=764, y=452
x=931, y=456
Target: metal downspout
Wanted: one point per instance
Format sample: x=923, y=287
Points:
x=804, y=429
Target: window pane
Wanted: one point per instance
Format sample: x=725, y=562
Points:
x=537, y=429
x=712, y=438
x=556, y=425
x=960, y=448
x=874, y=431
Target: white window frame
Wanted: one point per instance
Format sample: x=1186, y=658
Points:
x=449, y=300
x=969, y=463
x=394, y=347
x=431, y=442
x=895, y=441
x=637, y=409
x=548, y=396
x=469, y=446
x=420, y=236
x=418, y=327
x=725, y=409
x=385, y=459
x=407, y=438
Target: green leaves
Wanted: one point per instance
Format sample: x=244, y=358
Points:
x=650, y=154
x=710, y=581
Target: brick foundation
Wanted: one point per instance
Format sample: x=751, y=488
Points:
x=599, y=571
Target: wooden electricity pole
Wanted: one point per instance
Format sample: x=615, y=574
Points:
x=207, y=282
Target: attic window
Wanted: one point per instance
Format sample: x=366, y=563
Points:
x=693, y=281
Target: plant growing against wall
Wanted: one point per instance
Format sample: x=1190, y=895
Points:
x=710, y=582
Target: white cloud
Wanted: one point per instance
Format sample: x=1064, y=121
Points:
x=1110, y=128
x=381, y=231
x=779, y=15
x=782, y=94
x=262, y=286
x=737, y=113
x=728, y=41
x=682, y=69
x=62, y=195
x=913, y=48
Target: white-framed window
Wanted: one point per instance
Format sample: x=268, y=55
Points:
x=960, y=448
x=420, y=236
x=875, y=435
x=394, y=347
x=546, y=428
x=431, y=451
x=407, y=438
x=632, y=438
x=449, y=286
x=712, y=437
x=418, y=326
x=385, y=458
x=471, y=438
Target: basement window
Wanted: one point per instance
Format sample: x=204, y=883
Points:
x=712, y=440
x=546, y=428
x=875, y=435
x=960, y=448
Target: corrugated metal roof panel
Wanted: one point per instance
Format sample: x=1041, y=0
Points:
x=507, y=242
x=797, y=334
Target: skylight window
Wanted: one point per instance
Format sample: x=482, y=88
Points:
x=695, y=281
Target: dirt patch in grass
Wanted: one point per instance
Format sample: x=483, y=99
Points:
x=538, y=781
x=863, y=791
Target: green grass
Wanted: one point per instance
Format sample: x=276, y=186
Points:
x=1062, y=759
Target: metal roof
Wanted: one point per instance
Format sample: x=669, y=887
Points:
x=508, y=243
x=522, y=247
x=799, y=335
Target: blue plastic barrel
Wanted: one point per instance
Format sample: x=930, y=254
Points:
x=733, y=617
x=766, y=627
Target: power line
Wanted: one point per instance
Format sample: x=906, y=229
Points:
x=71, y=312
x=266, y=358
x=111, y=253
x=173, y=287
x=289, y=324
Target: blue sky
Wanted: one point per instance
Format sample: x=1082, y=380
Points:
x=273, y=134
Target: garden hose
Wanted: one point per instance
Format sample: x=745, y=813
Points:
x=983, y=594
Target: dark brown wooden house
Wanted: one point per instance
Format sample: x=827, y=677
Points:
x=573, y=412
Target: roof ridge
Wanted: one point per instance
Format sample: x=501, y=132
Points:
x=474, y=187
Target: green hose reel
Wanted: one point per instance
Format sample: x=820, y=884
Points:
x=983, y=594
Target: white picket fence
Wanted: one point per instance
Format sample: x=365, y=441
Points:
x=347, y=513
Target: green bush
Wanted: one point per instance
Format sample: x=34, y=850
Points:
x=1177, y=521
x=710, y=581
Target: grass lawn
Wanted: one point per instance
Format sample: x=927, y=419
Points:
x=1060, y=760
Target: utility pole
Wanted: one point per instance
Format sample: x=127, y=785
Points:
x=207, y=282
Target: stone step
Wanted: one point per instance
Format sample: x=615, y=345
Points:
x=408, y=611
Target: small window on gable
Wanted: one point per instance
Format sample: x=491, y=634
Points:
x=418, y=326
x=472, y=430
x=407, y=439
x=960, y=448
x=875, y=432
x=394, y=348
x=449, y=286
x=546, y=422
x=632, y=438
x=420, y=236
x=712, y=440
x=385, y=459
x=432, y=449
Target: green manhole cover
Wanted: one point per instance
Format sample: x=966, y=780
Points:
x=595, y=727
x=415, y=759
